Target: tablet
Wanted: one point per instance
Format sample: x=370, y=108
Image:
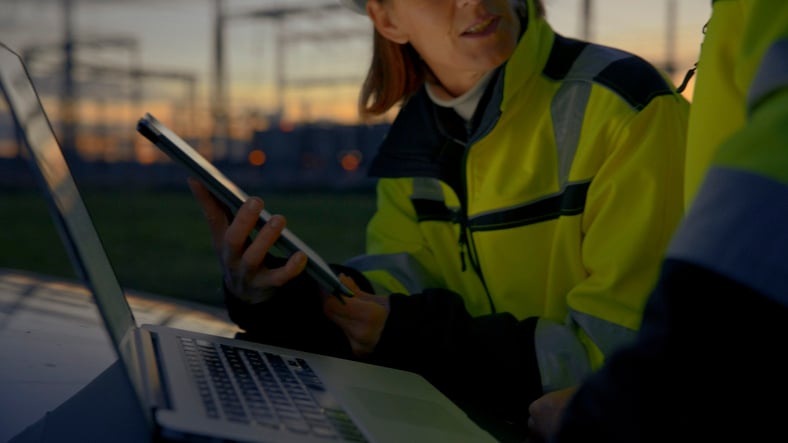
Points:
x=233, y=196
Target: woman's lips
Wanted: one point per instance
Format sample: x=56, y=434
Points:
x=483, y=28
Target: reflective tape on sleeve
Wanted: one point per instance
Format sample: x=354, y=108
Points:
x=738, y=227
x=772, y=74
x=403, y=267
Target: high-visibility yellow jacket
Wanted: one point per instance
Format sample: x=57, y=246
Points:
x=738, y=218
x=715, y=90
x=553, y=206
x=715, y=328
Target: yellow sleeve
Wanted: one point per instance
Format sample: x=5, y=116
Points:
x=633, y=206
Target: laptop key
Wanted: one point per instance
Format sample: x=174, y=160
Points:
x=246, y=386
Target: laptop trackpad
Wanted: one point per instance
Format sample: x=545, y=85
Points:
x=410, y=410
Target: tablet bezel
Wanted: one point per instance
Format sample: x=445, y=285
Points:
x=233, y=196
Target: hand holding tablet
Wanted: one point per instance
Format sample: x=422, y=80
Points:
x=233, y=196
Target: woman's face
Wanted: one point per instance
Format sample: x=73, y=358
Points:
x=460, y=40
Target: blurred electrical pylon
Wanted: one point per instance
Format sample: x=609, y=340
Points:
x=586, y=20
x=670, y=37
x=277, y=14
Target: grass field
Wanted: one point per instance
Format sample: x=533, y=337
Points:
x=158, y=241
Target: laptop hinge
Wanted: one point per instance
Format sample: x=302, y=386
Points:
x=147, y=344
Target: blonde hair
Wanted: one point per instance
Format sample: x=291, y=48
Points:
x=397, y=71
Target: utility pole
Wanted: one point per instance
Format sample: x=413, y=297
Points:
x=670, y=34
x=221, y=121
x=279, y=64
x=586, y=20
x=69, y=119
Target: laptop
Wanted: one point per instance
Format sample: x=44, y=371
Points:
x=233, y=196
x=194, y=386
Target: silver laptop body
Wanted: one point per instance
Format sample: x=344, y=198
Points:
x=274, y=394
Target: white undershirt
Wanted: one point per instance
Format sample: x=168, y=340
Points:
x=464, y=105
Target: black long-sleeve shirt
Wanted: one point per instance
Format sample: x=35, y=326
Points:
x=485, y=364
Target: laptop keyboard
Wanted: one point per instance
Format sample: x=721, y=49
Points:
x=264, y=389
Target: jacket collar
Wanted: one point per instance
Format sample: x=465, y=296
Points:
x=418, y=136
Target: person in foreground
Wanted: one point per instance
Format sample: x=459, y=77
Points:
x=526, y=192
x=709, y=362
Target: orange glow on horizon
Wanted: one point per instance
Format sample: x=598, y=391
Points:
x=148, y=154
x=9, y=149
x=286, y=126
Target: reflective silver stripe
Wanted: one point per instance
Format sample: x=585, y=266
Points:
x=403, y=267
x=568, y=110
x=593, y=60
x=569, y=104
x=427, y=188
x=562, y=359
x=738, y=227
x=772, y=74
x=607, y=336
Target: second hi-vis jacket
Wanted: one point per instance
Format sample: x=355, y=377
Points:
x=723, y=92
x=714, y=330
x=737, y=226
x=548, y=215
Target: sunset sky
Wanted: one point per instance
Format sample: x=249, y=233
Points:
x=329, y=50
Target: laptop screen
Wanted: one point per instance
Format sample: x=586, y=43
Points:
x=74, y=223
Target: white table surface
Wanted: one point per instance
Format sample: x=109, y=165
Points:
x=52, y=341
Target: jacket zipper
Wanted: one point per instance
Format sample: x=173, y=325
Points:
x=463, y=241
x=466, y=234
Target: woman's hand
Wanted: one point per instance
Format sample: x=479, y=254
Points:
x=245, y=276
x=362, y=317
x=546, y=411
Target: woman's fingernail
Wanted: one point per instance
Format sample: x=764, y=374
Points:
x=276, y=221
x=255, y=205
x=301, y=259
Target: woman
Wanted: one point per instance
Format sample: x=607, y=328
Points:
x=527, y=189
